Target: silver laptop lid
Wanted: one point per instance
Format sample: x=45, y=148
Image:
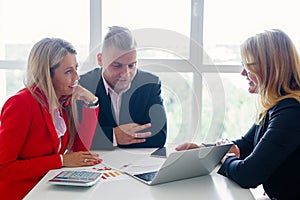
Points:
x=187, y=164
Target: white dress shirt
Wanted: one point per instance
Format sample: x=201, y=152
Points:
x=116, y=101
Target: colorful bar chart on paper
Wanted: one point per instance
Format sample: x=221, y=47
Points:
x=110, y=174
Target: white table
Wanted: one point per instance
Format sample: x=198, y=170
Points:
x=211, y=187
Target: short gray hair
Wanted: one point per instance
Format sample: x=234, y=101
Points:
x=119, y=37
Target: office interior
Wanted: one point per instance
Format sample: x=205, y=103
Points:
x=192, y=45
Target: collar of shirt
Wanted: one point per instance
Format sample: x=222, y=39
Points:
x=110, y=90
x=115, y=98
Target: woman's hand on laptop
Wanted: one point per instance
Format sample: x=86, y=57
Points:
x=186, y=146
x=189, y=145
x=234, y=150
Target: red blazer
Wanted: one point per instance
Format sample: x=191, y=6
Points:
x=29, y=143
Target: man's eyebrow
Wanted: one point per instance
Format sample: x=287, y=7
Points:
x=115, y=62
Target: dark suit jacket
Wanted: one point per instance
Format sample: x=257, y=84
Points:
x=270, y=153
x=141, y=104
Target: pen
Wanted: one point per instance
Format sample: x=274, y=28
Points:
x=208, y=144
x=66, y=151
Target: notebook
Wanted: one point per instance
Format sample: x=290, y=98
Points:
x=76, y=178
x=185, y=164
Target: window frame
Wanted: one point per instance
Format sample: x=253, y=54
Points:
x=195, y=55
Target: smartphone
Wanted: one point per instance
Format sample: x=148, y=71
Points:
x=160, y=152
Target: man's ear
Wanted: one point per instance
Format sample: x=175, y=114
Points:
x=99, y=59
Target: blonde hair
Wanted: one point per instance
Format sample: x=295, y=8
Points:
x=276, y=65
x=45, y=56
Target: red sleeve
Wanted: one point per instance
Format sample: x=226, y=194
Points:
x=24, y=141
x=86, y=129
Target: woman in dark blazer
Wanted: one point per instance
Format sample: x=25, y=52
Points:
x=269, y=153
x=37, y=125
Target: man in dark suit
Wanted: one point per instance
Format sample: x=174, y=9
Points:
x=131, y=112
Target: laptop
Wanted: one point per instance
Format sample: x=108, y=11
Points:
x=185, y=164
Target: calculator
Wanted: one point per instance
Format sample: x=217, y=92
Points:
x=76, y=178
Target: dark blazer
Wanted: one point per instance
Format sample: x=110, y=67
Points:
x=141, y=104
x=270, y=153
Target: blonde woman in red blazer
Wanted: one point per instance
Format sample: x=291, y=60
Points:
x=38, y=125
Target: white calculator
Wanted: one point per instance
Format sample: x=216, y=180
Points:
x=76, y=178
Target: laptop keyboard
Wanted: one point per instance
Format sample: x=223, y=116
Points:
x=149, y=176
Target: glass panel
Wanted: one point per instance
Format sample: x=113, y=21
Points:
x=163, y=25
x=234, y=114
x=25, y=22
x=228, y=23
x=11, y=82
x=239, y=113
x=177, y=101
x=2, y=87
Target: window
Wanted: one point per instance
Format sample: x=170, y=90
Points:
x=169, y=36
x=152, y=21
x=23, y=23
x=193, y=46
x=228, y=23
